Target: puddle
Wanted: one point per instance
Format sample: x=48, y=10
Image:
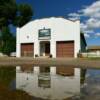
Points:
x=52, y=83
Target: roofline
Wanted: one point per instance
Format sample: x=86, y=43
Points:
x=52, y=17
x=58, y=17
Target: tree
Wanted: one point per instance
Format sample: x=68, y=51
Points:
x=8, y=9
x=15, y=14
x=8, y=43
x=24, y=14
x=12, y=13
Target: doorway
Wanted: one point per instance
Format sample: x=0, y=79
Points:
x=44, y=48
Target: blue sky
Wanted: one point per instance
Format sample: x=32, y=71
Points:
x=88, y=11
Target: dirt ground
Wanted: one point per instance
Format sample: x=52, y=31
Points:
x=74, y=62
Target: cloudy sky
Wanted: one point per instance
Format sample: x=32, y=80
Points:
x=88, y=11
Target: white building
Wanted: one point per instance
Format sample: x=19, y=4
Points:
x=56, y=36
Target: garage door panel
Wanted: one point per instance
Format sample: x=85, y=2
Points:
x=67, y=53
x=65, y=49
x=27, y=50
x=68, y=46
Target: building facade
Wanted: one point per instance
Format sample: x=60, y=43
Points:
x=58, y=37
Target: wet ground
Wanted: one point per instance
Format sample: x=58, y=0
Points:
x=49, y=83
x=91, y=87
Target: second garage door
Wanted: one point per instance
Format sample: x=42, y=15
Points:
x=65, y=48
x=27, y=50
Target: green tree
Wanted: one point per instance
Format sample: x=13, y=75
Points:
x=15, y=14
x=24, y=14
x=8, y=43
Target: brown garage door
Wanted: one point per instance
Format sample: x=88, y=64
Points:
x=65, y=49
x=27, y=50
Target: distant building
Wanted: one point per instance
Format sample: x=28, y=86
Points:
x=92, y=51
x=93, y=48
x=58, y=37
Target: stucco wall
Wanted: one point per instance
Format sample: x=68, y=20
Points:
x=61, y=30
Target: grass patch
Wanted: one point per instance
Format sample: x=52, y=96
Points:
x=94, y=58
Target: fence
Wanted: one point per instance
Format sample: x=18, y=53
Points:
x=90, y=54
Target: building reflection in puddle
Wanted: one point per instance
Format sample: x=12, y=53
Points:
x=49, y=82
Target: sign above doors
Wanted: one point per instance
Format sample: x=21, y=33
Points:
x=44, y=34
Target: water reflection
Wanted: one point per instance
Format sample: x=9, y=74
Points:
x=91, y=87
x=49, y=82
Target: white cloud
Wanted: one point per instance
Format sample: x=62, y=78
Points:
x=93, y=23
x=86, y=29
x=89, y=31
x=86, y=35
x=92, y=13
x=74, y=16
x=97, y=34
x=83, y=26
x=90, y=24
x=92, y=10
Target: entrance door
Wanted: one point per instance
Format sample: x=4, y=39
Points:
x=44, y=48
x=47, y=49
